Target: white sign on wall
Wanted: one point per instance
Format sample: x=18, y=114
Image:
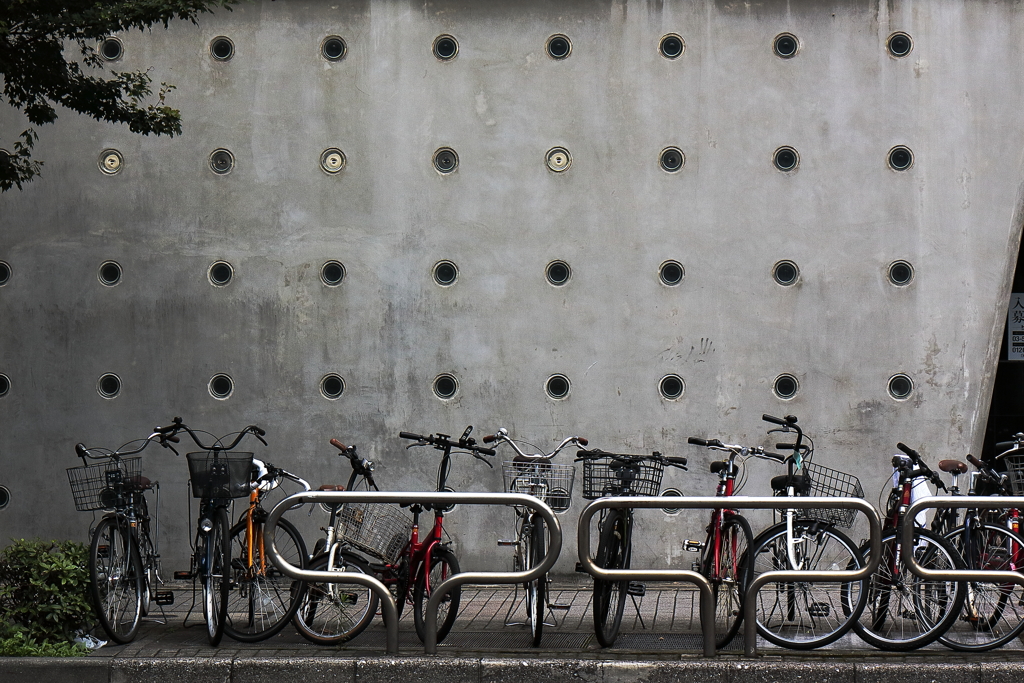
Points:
x=1015, y=328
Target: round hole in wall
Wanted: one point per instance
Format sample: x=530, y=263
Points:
x=111, y=49
x=220, y=273
x=109, y=385
x=558, y=273
x=671, y=46
x=332, y=160
x=5, y=385
x=445, y=160
x=445, y=385
x=672, y=493
x=901, y=273
x=672, y=159
x=111, y=161
x=333, y=48
x=671, y=273
x=900, y=158
x=899, y=44
x=222, y=49
x=901, y=387
x=671, y=387
x=332, y=273
x=221, y=386
x=558, y=159
x=786, y=273
x=786, y=386
x=222, y=161
x=109, y=273
x=786, y=45
x=558, y=46
x=786, y=159
x=446, y=47
x=332, y=386
x=5, y=273
x=445, y=273
x=557, y=386
x=5, y=497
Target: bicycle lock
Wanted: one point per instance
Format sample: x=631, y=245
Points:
x=388, y=606
x=707, y=599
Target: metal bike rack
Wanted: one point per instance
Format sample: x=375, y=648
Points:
x=981, y=502
x=389, y=607
x=707, y=599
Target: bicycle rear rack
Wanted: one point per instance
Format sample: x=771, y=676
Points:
x=388, y=606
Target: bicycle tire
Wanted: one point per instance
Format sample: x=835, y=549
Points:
x=216, y=548
x=116, y=579
x=262, y=599
x=992, y=614
x=335, y=613
x=730, y=582
x=918, y=611
x=443, y=565
x=536, y=593
x=803, y=615
x=609, y=596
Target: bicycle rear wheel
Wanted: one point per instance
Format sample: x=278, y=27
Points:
x=215, y=549
x=116, y=573
x=993, y=614
x=536, y=590
x=443, y=565
x=262, y=599
x=803, y=615
x=610, y=596
x=731, y=577
x=904, y=611
x=335, y=613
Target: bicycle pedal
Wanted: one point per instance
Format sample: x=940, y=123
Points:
x=164, y=598
x=506, y=543
x=182, y=576
x=636, y=589
x=693, y=546
x=103, y=551
x=819, y=609
x=562, y=607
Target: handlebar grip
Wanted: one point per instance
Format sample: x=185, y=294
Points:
x=339, y=445
x=1005, y=445
x=786, y=446
x=775, y=456
x=258, y=431
x=697, y=441
x=81, y=450
x=410, y=435
x=490, y=438
x=676, y=460
x=974, y=461
x=485, y=451
x=774, y=420
x=914, y=455
x=582, y=441
x=172, y=438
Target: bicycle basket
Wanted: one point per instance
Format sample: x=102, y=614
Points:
x=550, y=483
x=833, y=484
x=94, y=486
x=226, y=475
x=378, y=529
x=607, y=476
x=1015, y=472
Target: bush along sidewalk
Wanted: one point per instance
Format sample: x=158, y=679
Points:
x=44, y=598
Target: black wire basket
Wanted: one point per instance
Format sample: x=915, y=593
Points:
x=96, y=487
x=224, y=475
x=832, y=484
x=605, y=476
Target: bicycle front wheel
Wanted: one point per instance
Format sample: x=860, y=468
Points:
x=335, y=613
x=442, y=566
x=116, y=573
x=803, y=615
x=729, y=574
x=536, y=590
x=992, y=614
x=610, y=596
x=215, y=550
x=262, y=599
x=904, y=611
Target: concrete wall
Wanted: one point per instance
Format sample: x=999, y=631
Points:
x=728, y=330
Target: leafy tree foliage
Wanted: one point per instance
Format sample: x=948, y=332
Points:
x=35, y=39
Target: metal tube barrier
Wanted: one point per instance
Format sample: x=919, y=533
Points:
x=980, y=502
x=707, y=599
x=412, y=498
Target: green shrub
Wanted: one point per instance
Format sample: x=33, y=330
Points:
x=44, y=593
x=17, y=644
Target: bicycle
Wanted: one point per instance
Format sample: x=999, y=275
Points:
x=805, y=615
x=724, y=559
x=903, y=611
x=613, y=474
x=124, y=558
x=534, y=475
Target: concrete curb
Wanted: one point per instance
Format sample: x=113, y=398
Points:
x=424, y=669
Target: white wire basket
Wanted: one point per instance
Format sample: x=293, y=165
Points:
x=550, y=483
x=378, y=529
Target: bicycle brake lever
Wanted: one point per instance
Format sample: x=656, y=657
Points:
x=480, y=457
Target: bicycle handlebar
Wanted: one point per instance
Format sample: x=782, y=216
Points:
x=922, y=469
x=444, y=442
x=177, y=425
x=84, y=453
x=502, y=435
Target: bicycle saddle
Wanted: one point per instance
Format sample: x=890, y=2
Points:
x=719, y=466
x=800, y=482
x=952, y=466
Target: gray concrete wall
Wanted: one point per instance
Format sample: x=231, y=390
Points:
x=614, y=330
